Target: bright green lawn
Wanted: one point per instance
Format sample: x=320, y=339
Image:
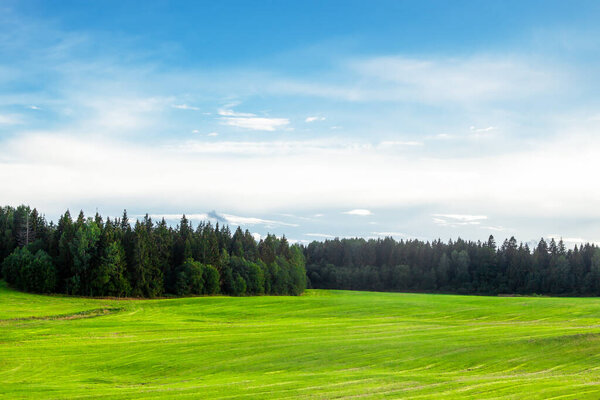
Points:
x=325, y=344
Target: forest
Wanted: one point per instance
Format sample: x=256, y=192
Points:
x=120, y=258
x=460, y=266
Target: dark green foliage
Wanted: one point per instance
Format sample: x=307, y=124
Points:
x=110, y=278
x=84, y=251
x=210, y=275
x=95, y=258
x=30, y=272
x=40, y=275
x=61, y=248
x=91, y=257
x=145, y=275
x=163, y=244
x=239, y=285
x=251, y=273
x=14, y=264
x=459, y=267
x=189, y=278
x=297, y=271
x=193, y=277
x=7, y=242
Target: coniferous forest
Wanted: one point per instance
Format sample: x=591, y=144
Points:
x=459, y=266
x=118, y=257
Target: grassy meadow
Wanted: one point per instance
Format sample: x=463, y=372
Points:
x=324, y=344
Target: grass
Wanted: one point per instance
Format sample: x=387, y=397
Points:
x=324, y=344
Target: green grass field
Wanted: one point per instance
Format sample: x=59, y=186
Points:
x=324, y=344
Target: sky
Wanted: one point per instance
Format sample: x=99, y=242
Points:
x=313, y=119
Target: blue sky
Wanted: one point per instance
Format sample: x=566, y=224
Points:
x=315, y=119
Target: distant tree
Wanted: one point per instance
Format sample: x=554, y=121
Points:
x=97, y=257
x=561, y=278
x=442, y=271
x=111, y=279
x=190, y=278
x=462, y=261
x=83, y=249
x=210, y=275
x=24, y=225
x=144, y=273
x=239, y=285
x=593, y=277
x=26, y=271
x=163, y=253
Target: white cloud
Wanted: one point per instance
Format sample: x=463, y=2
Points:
x=468, y=79
x=10, y=119
x=274, y=148
x=296, y=216
x=486, y=129
x=210, y=134
x=231, y=113
x=571, y=241
x=313, y=119
x=340, y=175
x=185, y=107
x=394, y=143
x=243, y=221
x=115, y=114
x=234, y=220
x=87, y=155
x=320, y=235
x=482, y=133
x=359, y=211
x=256, y=123
x=337, y=176
x=454, y=220
x=494, y=228
x=462, y=217
x=296, y=241
x=33, y=107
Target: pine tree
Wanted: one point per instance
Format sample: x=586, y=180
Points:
x=24, y=226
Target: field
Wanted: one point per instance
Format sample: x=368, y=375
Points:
x=324, y=344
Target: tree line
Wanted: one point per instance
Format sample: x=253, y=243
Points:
x=459, y=266
x=117, y=257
